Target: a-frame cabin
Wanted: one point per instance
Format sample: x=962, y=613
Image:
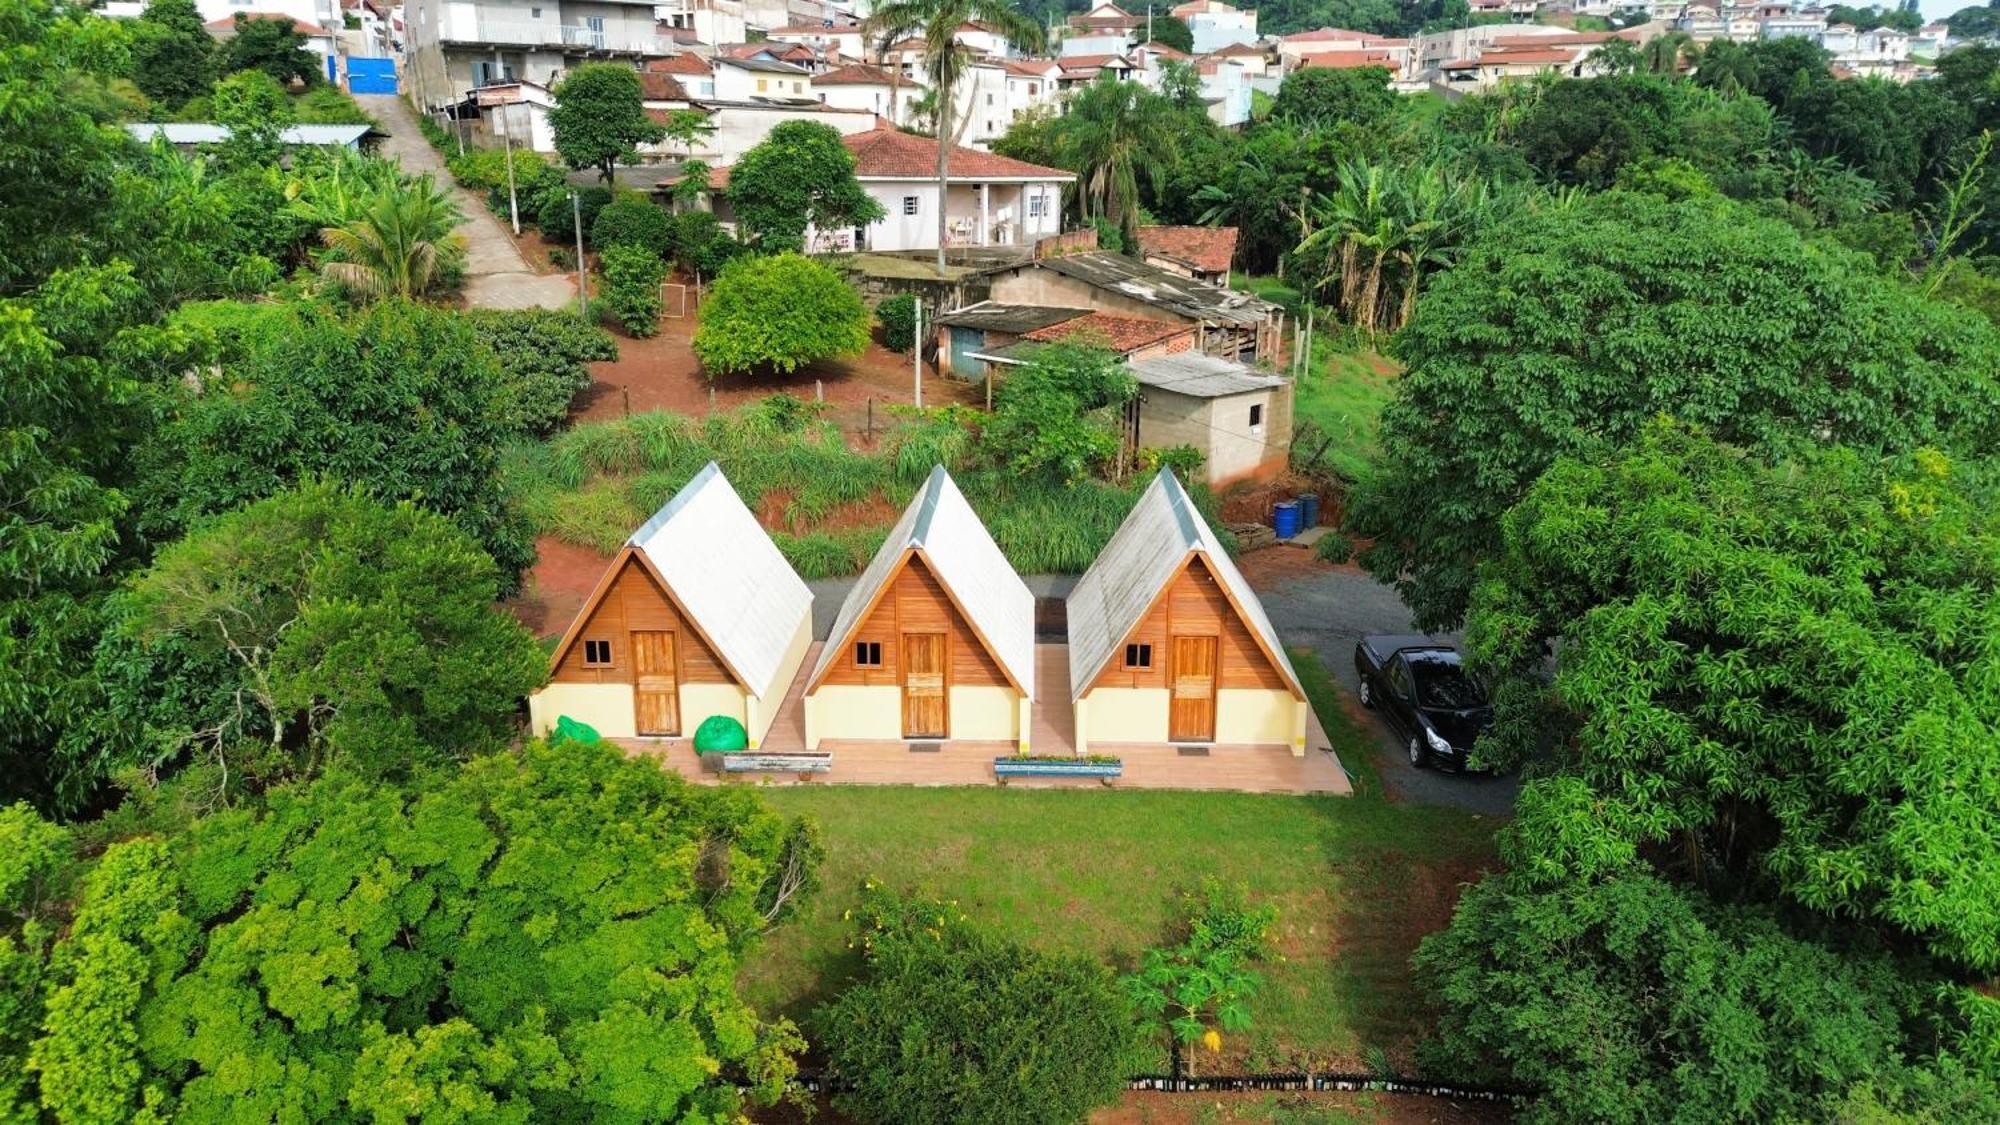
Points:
x=935, y=641
x=698, y=615
x=1168, y=643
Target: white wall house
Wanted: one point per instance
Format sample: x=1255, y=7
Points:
x=741, y=80
x=872, y=89
x=1217, y=25
x=842, y=39
x=455, y=46
x=711, y=21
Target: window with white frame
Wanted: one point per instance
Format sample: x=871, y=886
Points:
x=1036, y=205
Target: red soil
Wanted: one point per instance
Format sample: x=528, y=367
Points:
x=557, y=586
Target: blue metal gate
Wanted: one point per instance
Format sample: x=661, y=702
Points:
x=371, y=75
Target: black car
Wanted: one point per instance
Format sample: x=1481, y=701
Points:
x=1423, y=689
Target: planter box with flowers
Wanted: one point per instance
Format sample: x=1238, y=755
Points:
x=1029, y=765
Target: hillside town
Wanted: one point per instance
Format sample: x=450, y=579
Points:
x=1034, y=562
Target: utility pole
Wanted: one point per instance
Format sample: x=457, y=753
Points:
x=582, y=278
x=513, y=202
x=917, y=353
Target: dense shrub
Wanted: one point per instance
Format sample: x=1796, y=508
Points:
x=898, y=315
x=949, y=1025
x=556, y=215
x=542, y=354
x=701, y=246
x=632, y=277
x=633, y=220
x=781, y=313
x=1055, y=417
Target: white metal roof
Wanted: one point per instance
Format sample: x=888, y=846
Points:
x=1200, y=375
x=203, y=133
x=969, y=564
x=728, y=575
x=1152, y=546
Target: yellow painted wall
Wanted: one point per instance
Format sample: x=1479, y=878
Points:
x=1121, y=715
x=987, y=714
x=854, y=711
x=608, y=708
x=1264, y=718
x=699, y=701
x=763, y=707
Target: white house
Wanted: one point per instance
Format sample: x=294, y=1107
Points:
x=1031, y=84
x=1217, y=25
x=860, y=86
x=840, y=38
x=711, y=21
x=742, y=80
x=454, y=48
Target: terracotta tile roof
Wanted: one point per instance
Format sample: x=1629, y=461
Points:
x=1238, y=50
x=1318, y=33
x=680, y=64
x=1527, y=58
x=890, y=154
x=1091, y=62
x=1346, y=60
x=1209, y=249
x=1120, y=333
x=1164, y=51
x=657, y=87
x=854, y=74
x=1030, y=68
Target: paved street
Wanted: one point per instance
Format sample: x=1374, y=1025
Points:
x=1328, y=612
x=496, y=276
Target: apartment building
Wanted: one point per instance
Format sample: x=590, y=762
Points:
x=453, y=48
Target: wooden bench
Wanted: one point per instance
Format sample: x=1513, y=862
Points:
x=1056, y=767
x=754, y=762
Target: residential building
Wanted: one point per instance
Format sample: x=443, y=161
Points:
x=1217, y=25
x=1202, y=253
x=1255, y=61
x=1232, y=325
x=761, y=79
x=318, y=36
x=708, y=22
x=1169, y=644
x=1239, y=417
x=935, y=641
x=871, y=88
x=837, y=38
x=454, y=48
x=698, y=615
x=694, y=73
x=1107, y=18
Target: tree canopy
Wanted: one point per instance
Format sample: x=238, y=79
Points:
x=800, y=175
x=780, y=312
x=1563, y=330
x=599, y=119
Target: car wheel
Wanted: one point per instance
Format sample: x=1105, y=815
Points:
x=1367, y=694
x=1418, y=759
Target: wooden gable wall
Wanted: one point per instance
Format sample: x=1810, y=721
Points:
x=635, y=601
x=916, y=602
x=1194, y=605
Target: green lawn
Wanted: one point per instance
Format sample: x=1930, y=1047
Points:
x=1357, y=880
x=1344, y=388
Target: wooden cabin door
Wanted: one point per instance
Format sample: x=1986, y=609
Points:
x=923, y=685
x=655, y=693
x=1191, y=690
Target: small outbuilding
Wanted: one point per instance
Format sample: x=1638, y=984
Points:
x=936, y=640
x=1168, y=643
x=1239, y=417
x=698, y=615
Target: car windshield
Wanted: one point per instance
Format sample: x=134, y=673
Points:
x=1446, y=686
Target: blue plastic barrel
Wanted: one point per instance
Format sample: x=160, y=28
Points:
x=1308, y=509
x=1285, y=518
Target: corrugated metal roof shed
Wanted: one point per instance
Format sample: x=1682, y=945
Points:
x=203, y=133
x=1200, y=375
x=729, y=576
x=991, y=317
x=962, y=554
x=1182, y=296
x=1147, y=551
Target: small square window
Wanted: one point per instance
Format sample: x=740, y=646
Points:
x=1138, y=656
x=762, y=85
x=534, y=13
x=989, y=99
x=909, y=205
x=1256, y=415
x=867, y=654
x=597, y=654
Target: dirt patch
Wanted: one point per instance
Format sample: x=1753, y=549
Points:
x=557, y=585
x=1268, y=567
x=662, y=374
x=1251, y=501
x=1138, y=1108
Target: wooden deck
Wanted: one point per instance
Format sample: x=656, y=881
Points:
x=1052, y=730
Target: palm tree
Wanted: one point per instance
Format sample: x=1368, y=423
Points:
x=1663, y=53
x=399, y=245
x=1111, y=132
x=936, y=24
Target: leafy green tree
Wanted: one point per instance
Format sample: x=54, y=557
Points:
x=549, y=935
x=255, y=110
x=1582, y=132
x=898, y=315
x=403, y=244
x=315, y=627
x=936, y=24
x=1170, y=30
x=701, y=246
x=782, y=313
x=542, y=355
x=1056, y=416
x=632, y=277
x=35, y=864
x=274, y=47
x=1320, y=97
x=1779, y=673
x=799, y=176
x=398, y=398
x=1110, y=134
x=634, y=220
x=947, y=1024
x=599, y=119
x=1562, y=331
x=1202, y=987
x=556, y=213
x=173, y=55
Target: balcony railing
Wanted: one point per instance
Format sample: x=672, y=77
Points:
x=530, y=33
